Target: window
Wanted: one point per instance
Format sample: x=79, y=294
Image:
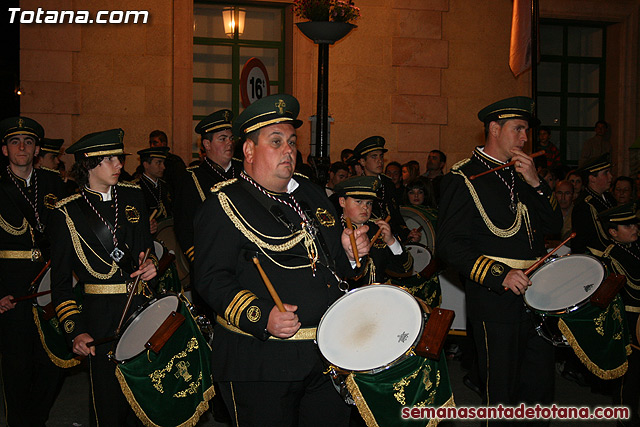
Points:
x=571, y=82
x=219, y=54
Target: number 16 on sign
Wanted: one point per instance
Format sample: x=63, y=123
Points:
x=254, y=82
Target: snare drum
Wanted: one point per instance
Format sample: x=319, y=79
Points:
x=421, y=257
x=172, y=385
x=167, y=236
x=168, y=277
x=416, y=218
x=371, y=333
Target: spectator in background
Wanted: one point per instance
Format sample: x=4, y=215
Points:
x=338, y=172
x=551, y=159
x=564, y=196
x=174, y=165
x=435, y=170
x=623, y=190
x=410, y=171
x=549, y=176
x=394, y=171
x=346, y=154
x=597, y=145
x=576, y=179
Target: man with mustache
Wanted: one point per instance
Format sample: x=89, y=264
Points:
x=28, y=196
x=491, y=229
x=266, y=363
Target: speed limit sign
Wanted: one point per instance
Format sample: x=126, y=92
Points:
x=254, y=82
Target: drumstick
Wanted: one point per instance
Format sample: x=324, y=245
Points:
x=269, y=285
x=153, y=214
x=375, y=236
x=42, y=272
x=131, y=293
x=26, y=297
x=544, y=258
x=352, y=237
x=506, y=165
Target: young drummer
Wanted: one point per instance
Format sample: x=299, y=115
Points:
x=623, y=257
x=356, y=197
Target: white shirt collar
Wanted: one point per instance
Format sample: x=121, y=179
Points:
x=490, y=156
x=155, y=183
x=292, y=185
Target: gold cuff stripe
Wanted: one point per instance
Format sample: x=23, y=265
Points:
x=475, y=267
x=62, y=304
x=478, y=268
x=189, y=251
x=243, y=306
x=302, y=334
x=15, y=254
x=486, y=270
x=632, y=309
x=67, y=315
x=234, y=302
x=482, y=269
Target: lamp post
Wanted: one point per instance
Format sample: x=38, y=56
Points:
x=323, y=33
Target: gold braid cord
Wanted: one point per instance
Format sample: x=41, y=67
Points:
x=197, y=183
x=252, y=234
x=521, y=213
x=14, y=231
x=77, y=245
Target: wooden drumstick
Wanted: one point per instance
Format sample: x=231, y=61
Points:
x=132, y=292
x=27, y=297
x=379, y=232
x=506, y=165
x=269, y=285
x=153, y=214
x=352, y=237
x=546, y=257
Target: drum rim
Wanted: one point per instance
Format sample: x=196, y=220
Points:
x=426, y=220
x=133, y=317
x=406, y=354
x=571, y=308
x=427, y=249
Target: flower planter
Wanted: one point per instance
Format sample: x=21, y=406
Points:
x=325, y=31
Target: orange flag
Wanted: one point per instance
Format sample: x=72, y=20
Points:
x=520, y=50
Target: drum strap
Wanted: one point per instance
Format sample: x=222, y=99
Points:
x=39, y=239
x=102, y=232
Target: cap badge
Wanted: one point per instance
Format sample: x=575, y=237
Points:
x=281, y=106
x=375, y=186
x=226, y=116
x=20, y=123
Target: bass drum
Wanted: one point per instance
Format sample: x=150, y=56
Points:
x=415, y=218
x=167, y=236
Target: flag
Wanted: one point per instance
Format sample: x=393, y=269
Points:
x=520, y=49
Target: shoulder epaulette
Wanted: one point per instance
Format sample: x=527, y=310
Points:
x=129, y=184
x=607, y=251
x=66, y=200
x=299, y=174
x=192, y=168
x=588, y=198
x=237, y=160
x=221, y=184
x=50, y=170
x=461, y=163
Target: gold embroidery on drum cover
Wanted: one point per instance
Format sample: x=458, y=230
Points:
x=157, y=375
x=132, y=214
x=253, y=313
x=325, y=217
x=400, y=385
x=50, y=201
x=69, y=326
x=434, y=390
x=497, y=270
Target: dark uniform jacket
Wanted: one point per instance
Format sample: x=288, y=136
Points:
x=624, y=259
x=584, y=220
x=195, y=186
x=476, y=223
x=230, y=223
x=18, y=234
x=156, y=197
x=381, y=259
x=78, y=249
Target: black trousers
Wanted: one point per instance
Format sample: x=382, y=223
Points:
x=31, y=382
x=108, y=406
x=515, y=364
x=312, y=402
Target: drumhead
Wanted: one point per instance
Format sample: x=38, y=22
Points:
x=369, y=328
x=564, y=284
x=158, y=248
x=142, y=325
x=416, y=219
x=562, y=251
x=421, y=256
x=45, y=285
